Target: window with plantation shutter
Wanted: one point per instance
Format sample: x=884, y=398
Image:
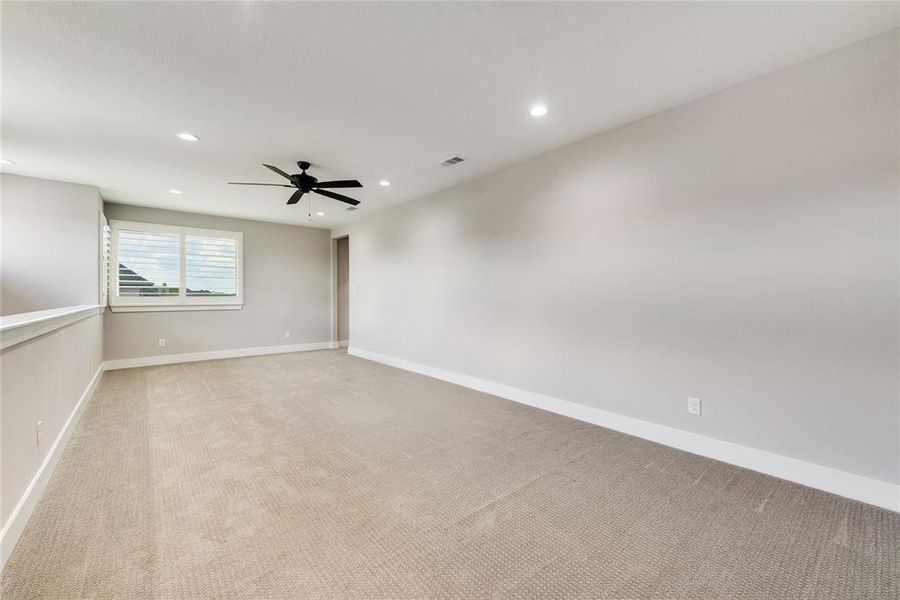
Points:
x=105, y=236
x=161, y=267
x=211, y=265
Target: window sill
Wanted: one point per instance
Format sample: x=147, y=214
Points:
x=175, y=307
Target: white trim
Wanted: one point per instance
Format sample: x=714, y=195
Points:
x=842, y=483
x=343, y=344
x=19, y=516
x=168, y=359
x=15, y=329
x=174, y=307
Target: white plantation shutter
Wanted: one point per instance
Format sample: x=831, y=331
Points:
x=211, y=265
x=161, y=267
x=104, y=260
x=149, y=264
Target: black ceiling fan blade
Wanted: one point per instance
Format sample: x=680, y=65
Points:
x=277, y=170
x=338, y=197
x=273, y=184
x=295, y=197
x=341, y=183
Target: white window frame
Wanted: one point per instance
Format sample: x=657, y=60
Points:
x=182, y=301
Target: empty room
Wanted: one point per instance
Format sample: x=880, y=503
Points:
x=424, y=300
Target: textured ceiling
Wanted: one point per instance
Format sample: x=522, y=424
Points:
x=94, y=92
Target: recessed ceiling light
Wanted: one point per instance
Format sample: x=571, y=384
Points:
x=320, y=214
x=384, y=182
x=174, y=191
x=187, y=137
x=6, y=161
x=538, y=110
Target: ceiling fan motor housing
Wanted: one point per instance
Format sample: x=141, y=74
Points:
x=304, y=182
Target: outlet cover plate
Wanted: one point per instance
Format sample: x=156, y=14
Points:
x=694, y=406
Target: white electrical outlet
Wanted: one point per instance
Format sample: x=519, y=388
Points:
x=161, y=343
x=37, y=433
x=287, y=334
x=694, y=406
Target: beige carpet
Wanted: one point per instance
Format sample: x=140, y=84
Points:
x=319, y=475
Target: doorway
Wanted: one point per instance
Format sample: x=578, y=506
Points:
x=342, y=255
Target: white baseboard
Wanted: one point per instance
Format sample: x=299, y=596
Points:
x=168, y=359
x=19, y=516
x=842, y=483
x=344, y=344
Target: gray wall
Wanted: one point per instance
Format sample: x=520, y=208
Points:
x=50, y=244
x=342, y=248
x=287, y=279
x=42, y=380
x=741, y=248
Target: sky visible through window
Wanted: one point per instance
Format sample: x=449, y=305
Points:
x=149, y=264
x=211, y=266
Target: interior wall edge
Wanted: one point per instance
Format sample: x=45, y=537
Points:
x=26, y=326
x=842, y=483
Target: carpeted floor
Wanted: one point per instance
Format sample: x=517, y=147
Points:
x=319, y=475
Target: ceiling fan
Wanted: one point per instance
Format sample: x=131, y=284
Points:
x=307, y=183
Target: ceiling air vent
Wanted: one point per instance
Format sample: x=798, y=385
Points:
x=452, y=161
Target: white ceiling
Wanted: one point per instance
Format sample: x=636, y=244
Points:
x=95, y=92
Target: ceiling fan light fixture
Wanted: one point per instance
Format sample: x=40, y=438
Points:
x=384, y=183
x=320, y=214
x=187, y=137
